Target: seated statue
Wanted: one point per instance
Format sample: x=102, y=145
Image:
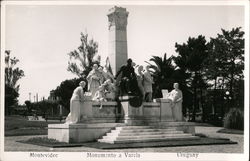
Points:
x=110, y=90
x=100, y=95
x=176, y=102
x=75, y=104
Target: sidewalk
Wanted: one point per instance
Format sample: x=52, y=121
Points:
x=12, y=145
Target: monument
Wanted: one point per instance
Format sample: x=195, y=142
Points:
x=118, y=55
x=151, y=121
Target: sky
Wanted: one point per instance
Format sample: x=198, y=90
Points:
x=40, y=36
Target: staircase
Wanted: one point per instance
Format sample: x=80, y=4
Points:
x=135, y=134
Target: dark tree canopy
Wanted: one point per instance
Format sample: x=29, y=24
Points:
x=65, y=90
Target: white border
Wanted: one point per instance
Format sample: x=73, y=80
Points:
x=145, y=156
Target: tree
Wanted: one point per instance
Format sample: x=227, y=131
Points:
x=28, y=105
x=82, y=60
x=191, y=61
x=11, y=96
x=226, y=60
x=12, y=75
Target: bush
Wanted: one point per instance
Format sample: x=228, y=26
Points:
x=214, y=119
x=234, y=119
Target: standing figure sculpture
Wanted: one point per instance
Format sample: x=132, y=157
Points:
x=147, y=84
x=75, y=104
x=128, y=78
x=103, y=75
x=108, y=75
x=94, y=80
x=176, y=97
x=139, y=77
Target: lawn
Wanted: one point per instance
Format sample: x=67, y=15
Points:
x=18, y=125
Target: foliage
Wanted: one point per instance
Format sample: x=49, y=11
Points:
x=43, y=107
x=44, y=140
x=28, y=106
x=226, y=60
x=162, y=71
x=82, y=60
x=65, y=90
x=191, y=60
x=234, y=119
x=12, y=75
x=10, y=98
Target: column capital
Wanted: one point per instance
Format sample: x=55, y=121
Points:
x=117, y=16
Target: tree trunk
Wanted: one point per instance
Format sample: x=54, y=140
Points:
x=214, y=94
x=195, y=100
x=6, y=109
x=204, y=114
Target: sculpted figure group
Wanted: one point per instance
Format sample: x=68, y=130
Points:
x=131, y=79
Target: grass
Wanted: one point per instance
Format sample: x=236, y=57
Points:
x=17, y=122
x=18, y=125
x=231, y=131
x=44, y=141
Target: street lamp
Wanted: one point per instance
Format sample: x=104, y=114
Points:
x=227, y=97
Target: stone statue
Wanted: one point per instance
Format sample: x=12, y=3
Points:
x=103, y=75
x=139, y=78
x=176, y=102
x=75, y=104
x=105, y=92
x=100, y=95
x=108, y=75
x=128, y=78
x=94, y=80
x=147, y=84
x=110, y=90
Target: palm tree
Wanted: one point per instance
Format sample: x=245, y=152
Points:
x=162, y=71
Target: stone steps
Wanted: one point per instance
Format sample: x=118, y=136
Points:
x=145, y=136
x=135, y=134
x=144, y=133
x=134, y=127
x=141, y=130
x=177, y=138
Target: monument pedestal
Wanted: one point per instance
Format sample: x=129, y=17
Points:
x=148, y=112
x=81, y=132
x=153, y=118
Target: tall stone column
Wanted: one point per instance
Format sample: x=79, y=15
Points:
x=118, y=53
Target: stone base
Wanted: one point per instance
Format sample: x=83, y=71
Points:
x=186, y=127
x=76, y=133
